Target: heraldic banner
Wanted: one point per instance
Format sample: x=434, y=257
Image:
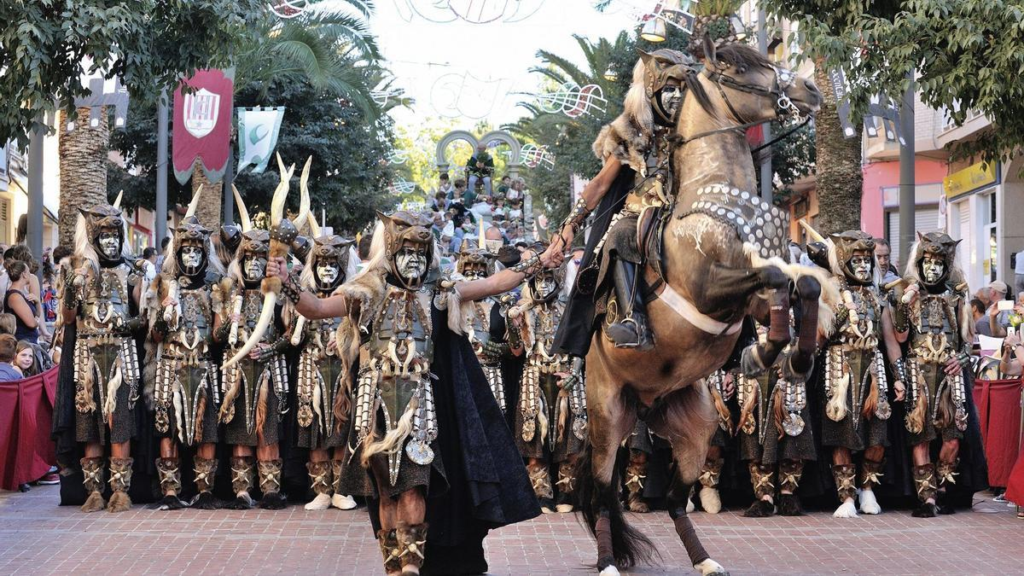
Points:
x=202, y=124
x=257, y=136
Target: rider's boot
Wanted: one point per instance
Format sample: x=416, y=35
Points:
x=631, y=330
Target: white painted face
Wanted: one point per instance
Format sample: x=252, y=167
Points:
x=254, y=268
x=327, y=273
x=932, y=268
x=109, y=244
x=670, y=97
x=191, y=258
x=861, y=265
x=545, y=285
x=411, y=262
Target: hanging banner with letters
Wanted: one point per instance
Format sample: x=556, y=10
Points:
x=202, y=124
x=257, y=136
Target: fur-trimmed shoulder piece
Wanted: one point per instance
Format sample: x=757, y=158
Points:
x=220, y=293
x=368, y=290
x=624, y=141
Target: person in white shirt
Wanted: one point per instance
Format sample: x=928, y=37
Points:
x=1018, y=273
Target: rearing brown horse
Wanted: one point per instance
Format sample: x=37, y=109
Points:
x=717, y=254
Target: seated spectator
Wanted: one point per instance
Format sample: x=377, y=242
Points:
x=985, y=296
x=8, y=324
x=22, y=304
x=1013, y=356
x=998, y=319
x=457, y=194
x=981, y=325
x=445, y=185
x=8, y=350
x=26, y=359
x=505, y=185
x=440, y=202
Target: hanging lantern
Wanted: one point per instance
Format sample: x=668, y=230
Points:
x=610, y=74
x=653, y=30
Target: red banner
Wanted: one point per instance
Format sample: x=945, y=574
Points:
x=202, y=124
x=26, y=416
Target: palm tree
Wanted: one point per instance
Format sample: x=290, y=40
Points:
x=83, y=169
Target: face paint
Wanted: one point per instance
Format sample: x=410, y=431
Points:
x=545, y=285
x=669, y=98
x=109, y=243
x=861, y=266
x=253, y=268
x=493, y=246
x=327, y=274
x=190, y=258
x=474, y=271
x=932, y=268
x=411, y=263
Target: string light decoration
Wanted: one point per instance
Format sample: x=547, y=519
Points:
x=470, y=11
x=572, y=100
x=397, y=157
x=382, y=97
x=460, y=94
x=289, y=9
x=533, y=156
x=653, y=15
x=402, y=186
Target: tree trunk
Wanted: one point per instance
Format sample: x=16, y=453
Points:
x=83, y=169
x=209, y=207
x=838, y=173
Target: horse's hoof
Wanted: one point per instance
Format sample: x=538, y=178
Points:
x=808, y=287
x=868, y=503
x=710, y=500
x=205, y=501
x=846, y=510
x=241, y=502
x=711, y=568
x=609, y=571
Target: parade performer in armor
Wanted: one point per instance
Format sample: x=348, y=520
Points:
x=856, y=389
x=774, y=424
x=256, y=387
x=424, y=420
x=630, y=194
x=320, y=387
x=722, y=385
x=551, y=419
x=182, y=304
x=102, y=301
x=935, y=315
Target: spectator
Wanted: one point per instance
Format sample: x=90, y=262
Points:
x=1013, y=355
x=149, y=258
x=364, y=247
x=49, y=289
x=457, y=194
x=981, y=326
x=5, y=279
x=25, y=359
x=438, y=225
x=998, y=320
x=1018, y=273
x=19, y=302
x=21, y=252
x=8, y=324
x=439, y=202
x=480, y=167
x=445, y=186
x=160, y=257
x=8, y=349
x=493, y=239
x=506, y=184
x=883, y=253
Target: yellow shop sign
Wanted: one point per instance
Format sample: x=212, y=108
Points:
x=971, y=178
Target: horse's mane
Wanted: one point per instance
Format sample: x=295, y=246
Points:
x=741, y=56
x=694, y=87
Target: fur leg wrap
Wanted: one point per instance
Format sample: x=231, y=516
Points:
x=412, y=544
x=762, y=478
x=870, y=474
x=170, y=475
x=710, y=472
x=688, y=535
x=924, y=481
x=636, y=472
x=790, y=472
x=336, y=476
x=320, y=477
x=120, y=483
x=206, y=471
x=270, y=476
x=389, y=550
x=92, y=479
x=241, y=474
x=946, y=472
x=566, y=481
x=845, y=476
x=541, y=480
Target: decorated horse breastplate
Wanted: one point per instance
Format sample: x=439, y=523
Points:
x=105, y=301
x=544, y=321
x=935, y=335
x=862, y=326
x=194, y=325
x=653, y=189
x=755, y=221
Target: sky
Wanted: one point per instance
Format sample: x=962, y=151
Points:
x=471, y=71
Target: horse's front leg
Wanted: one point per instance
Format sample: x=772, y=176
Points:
x=688, y=420
x=726, y=286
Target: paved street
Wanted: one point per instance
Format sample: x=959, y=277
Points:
x=38, y=537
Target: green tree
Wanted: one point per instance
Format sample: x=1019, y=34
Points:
x=46, y=46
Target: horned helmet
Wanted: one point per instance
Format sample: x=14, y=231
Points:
x=664, y=74
x=190, y=250
x=854, y=256
x=408, y=246
x=934, y=258
x=253, y=247
x=103, y=225
x=327, y=259
x=473, y=263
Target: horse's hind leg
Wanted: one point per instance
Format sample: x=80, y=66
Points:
x=688, y=419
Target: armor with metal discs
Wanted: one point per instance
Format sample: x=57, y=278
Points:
x=105, y=348
x=935, y=339
x=478, y=331
x=186, y=377
x=394, y=375
x=540, y=404
x=319, y=384
x=248, y=374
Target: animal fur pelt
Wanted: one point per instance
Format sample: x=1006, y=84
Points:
x=829, y=298
x=629, y=136
x=151, y=300
x=956, y=280
x=871, y=402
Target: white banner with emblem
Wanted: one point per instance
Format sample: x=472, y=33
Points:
x=258, y=129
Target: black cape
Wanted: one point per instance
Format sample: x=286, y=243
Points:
x=487, y=483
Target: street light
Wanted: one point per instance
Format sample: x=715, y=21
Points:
x=737, y=27
x=610, y=74
x=653, y=30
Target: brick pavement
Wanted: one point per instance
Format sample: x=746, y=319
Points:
x=38, y=537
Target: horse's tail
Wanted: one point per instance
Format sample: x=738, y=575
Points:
x=629, y=546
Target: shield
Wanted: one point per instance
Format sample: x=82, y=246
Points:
x=201, y=110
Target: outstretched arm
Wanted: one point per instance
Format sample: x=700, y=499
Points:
x=591, y=196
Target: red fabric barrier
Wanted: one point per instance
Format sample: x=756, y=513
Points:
x=26, y=415
x=998, y=404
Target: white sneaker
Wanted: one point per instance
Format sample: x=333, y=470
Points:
x=846, y=510
x=868, y=503
x=321, y=502
x=343, y=502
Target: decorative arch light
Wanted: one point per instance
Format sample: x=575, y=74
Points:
x=573, y=101
x=534, y=156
